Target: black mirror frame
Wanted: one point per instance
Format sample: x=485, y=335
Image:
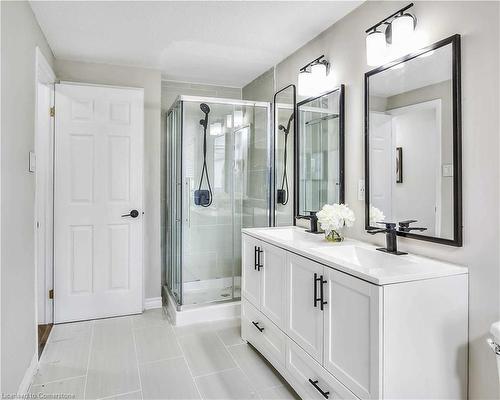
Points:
x=341, y=90
x=272, y=199
x=457, y=240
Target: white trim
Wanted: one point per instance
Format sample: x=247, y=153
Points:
x=152, y=302
x=25, y=384
x=44, y=75
x=101, y=85
x=166, y=80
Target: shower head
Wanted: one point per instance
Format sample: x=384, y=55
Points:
x=287, y=129
x=205, y=108
x=282, y=128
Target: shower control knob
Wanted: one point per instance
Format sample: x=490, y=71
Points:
x=133, y=214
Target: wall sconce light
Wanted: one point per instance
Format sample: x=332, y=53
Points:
x=395, y=41
x=312, y=78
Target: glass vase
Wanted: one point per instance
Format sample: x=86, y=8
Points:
x=334, y=236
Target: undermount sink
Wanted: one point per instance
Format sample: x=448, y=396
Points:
x=286, y=234
x=361, y=257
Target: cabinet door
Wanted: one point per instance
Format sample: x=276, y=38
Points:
x=353, y=333
x=251, y=276
x=304, y=317
x=272, y=293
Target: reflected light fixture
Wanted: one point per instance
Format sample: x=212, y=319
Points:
x=238, y=118
x=216, y=129
x=229, y=121
x=395, y=41
x=312, y=78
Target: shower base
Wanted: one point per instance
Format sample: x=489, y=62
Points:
x=210, y=301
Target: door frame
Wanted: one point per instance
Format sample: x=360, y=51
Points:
x=44, y=75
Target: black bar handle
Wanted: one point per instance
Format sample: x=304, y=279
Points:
x=315, y=384
x=133, y=214
x=321, y=293
x=255, y=257
x=259, y=265
x=256, y=324
x=315, y=290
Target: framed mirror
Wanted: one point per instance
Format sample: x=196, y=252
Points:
x=319, y=152
x=284, y=111
x=413, y=144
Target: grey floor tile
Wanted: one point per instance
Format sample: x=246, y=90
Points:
x=230, y=384
x=149, y=318
x=72, y=387
x=205, y=353
x=261, y=374
x=113, y=365
x=156, y=343
x=284, y=392
x=127, y=396
x=191, y=329
x=229, y=332
x=167, y=379
x=73, y=330
x=62, y=359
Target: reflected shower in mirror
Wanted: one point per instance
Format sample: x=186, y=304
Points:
x=320, y=152
x=284, y=103
x=413, y=142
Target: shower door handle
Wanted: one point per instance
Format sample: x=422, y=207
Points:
x=188, y=213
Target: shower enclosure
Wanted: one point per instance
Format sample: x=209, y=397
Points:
x=202, y=262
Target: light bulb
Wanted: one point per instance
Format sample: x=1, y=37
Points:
x=306, y=82
x=318, y=72
x=402, y=30
x=376, y=48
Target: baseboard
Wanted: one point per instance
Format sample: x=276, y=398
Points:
x=24, y=387
x=153, y=302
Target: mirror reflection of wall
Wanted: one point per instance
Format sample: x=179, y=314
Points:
x=320, y=153
x=411, y=142
x=284, y=134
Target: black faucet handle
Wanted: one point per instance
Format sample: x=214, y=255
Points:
x=388, y=225
x=406, y=224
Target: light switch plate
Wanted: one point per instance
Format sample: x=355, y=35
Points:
x=361, y=189
x=32, y=162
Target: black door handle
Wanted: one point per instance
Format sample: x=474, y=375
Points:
x=259, y=252
x=256, y=324
x=255, y=257
x=322, y=294
x=315, y=384
x=133, y=214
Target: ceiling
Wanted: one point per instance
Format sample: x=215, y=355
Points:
x=215, y=42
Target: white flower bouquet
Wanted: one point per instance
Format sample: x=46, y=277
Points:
x=332, y=218
x=376, y=215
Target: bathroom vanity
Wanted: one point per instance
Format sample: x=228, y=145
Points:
x=344, y=321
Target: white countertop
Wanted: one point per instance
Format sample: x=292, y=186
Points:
x=354, y=257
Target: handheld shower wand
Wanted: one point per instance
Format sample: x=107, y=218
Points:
x=204, y=197
x=282, y=194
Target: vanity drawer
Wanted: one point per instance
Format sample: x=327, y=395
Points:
x=310, y=379
x=266, y=337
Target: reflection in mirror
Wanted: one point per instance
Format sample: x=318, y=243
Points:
x=320, y=155
x=284, y=133
x=413, y=143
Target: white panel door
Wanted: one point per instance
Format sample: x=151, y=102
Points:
x=272, y=293
x=353, y=333
x=304, y=317
x=251, y=275
x=98, y=180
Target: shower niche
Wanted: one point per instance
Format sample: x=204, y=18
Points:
x=217, y=170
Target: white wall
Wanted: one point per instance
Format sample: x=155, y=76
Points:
x=18, y=331
x=150, y=80
x=477, y=22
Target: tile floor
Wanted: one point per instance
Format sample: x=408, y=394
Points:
x=145, y=357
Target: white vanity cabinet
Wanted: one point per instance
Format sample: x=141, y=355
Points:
x=334, y=335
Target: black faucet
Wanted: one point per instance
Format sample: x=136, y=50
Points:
x=313, y=219
x=391, y=235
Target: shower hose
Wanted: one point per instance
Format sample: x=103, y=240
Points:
x=204, y=170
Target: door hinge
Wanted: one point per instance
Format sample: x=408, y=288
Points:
x=52, y=111
x=51, y=293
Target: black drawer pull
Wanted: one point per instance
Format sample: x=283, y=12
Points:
x=321, y=293
x=316, y=298
x=256, y=324
x=259, y=265
x=255, y=257
x=315, y=384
